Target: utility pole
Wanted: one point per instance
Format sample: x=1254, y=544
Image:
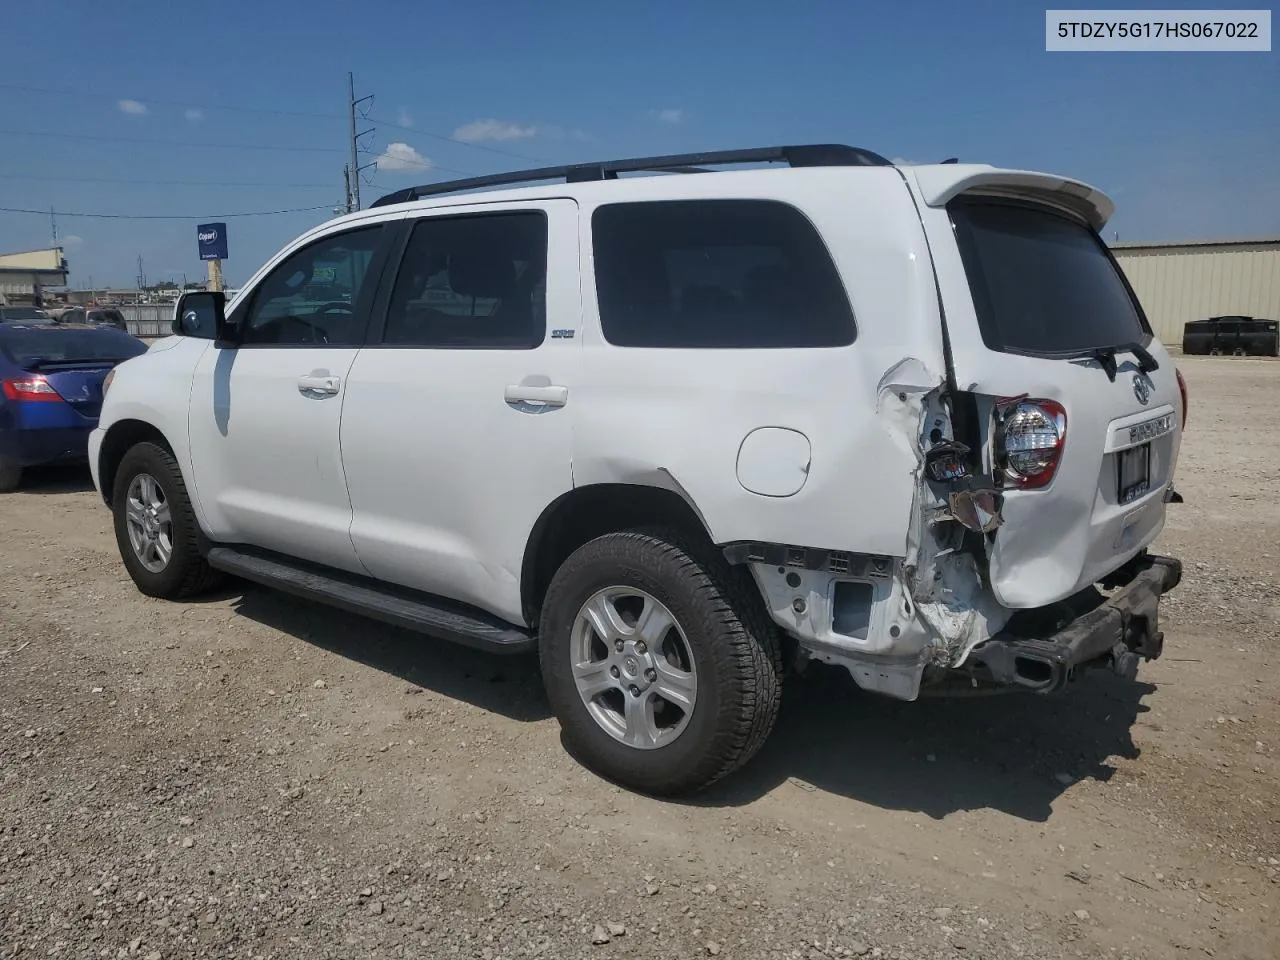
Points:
x=53, y=222
x=142, y=277
x=353, y=177
x=346, y=186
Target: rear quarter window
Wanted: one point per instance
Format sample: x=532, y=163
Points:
x=1042, y=283
x=716, y=274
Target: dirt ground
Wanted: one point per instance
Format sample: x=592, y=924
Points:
x=251, y=776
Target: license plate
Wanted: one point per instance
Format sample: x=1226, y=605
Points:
x=1133, y=467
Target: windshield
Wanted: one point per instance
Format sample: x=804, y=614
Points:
x=28, y=348
x=1042, y=284
x=24, y=313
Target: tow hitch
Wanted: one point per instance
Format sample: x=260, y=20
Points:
x=1114, y=634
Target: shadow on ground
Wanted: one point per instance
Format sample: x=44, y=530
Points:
x=510, y=686
x=1015, y=753
x=58, y=479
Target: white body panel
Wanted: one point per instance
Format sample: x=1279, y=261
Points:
x=447, y=467
x=678, y=418
x=265, y=453
x=153, y=388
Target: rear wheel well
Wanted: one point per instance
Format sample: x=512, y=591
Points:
x=120, y=438
x=589, y=512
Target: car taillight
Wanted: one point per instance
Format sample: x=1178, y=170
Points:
x=34, y=389
x=1182, y=389
x=1032, y=435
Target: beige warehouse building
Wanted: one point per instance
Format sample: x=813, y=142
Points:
x=1178, y=282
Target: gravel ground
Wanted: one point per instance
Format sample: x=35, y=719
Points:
x=249, y=776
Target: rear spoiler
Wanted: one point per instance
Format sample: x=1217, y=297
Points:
x=941, y=183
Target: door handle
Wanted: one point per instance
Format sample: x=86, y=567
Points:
x=316, y=383
x=547, y=396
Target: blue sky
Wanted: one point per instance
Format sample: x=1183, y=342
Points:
x=173, y=96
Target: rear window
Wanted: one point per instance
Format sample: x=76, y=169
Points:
x=1042, y=284
x=30, y=348
x=716, y=274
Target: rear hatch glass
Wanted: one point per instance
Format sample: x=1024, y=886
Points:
x=1040, y=286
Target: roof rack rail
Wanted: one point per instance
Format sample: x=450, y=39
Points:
x=803, y=155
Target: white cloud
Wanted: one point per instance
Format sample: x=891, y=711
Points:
x=401, y=156
x=194, y=114
x=404, y=117
x=133, y=107
x=493, y=130
x=670, y=115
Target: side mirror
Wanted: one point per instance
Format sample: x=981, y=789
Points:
x=202, y=314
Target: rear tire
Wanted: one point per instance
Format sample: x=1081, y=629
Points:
x=10, y=477
x=155, y=526
x=720, y=655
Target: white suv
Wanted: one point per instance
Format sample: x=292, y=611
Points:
x=680, y=433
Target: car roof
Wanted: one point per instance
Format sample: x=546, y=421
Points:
x=691, y=175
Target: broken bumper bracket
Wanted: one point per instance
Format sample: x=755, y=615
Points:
x=1115, y=634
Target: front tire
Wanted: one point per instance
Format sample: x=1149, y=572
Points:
x=661, y=666
x=155, y=526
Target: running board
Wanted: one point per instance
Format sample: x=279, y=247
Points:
x=419, y=612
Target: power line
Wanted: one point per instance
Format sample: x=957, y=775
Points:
x=463, y=143
x=163, y=183
x=169, y=143
x=170, y=216
x=21, y=88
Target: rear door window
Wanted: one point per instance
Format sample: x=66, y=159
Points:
x=716, y=274
x=1042, y=283
x=473, y=282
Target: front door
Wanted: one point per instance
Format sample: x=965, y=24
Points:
x=265, y=414
x=456, y=426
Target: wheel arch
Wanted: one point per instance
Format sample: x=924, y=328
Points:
x=590, y=511
x=122, y=436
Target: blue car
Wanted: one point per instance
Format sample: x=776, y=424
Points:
x=51, y=390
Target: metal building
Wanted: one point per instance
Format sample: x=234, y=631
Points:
x=23, y=276
x=1178, y=282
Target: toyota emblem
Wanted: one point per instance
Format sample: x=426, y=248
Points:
x=1141, y=389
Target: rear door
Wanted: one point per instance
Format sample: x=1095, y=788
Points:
x=456, y=425
x=1037, y=308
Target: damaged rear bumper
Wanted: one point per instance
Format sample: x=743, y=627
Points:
x=1045, y=649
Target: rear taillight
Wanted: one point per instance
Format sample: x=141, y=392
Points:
x=1182, y=389
x=34, y=389
x=1032, y=434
